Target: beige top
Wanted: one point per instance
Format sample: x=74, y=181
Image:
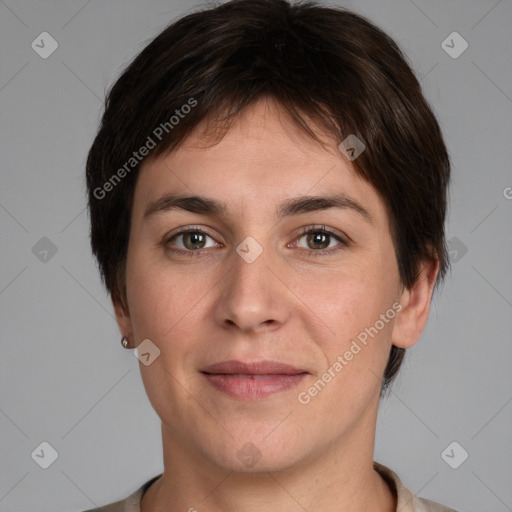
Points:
x=407, y=501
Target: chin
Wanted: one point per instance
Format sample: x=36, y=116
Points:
x=255, y=454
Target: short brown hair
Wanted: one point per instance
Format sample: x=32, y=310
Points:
x=327, y=64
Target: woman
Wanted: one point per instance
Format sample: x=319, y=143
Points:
x=267, y=194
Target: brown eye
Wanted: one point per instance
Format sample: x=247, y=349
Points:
x=194, y=240
x=190, y=241
x=318, y=240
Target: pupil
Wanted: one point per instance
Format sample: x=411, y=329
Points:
x=195, y=238
x=321, y=240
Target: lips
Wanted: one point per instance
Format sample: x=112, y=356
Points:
x=252, y=381
x=257, y=368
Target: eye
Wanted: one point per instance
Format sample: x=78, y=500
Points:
x=187, y=241
x=192, y=241
x=318, y=241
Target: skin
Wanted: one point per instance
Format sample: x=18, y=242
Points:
x=287, y=305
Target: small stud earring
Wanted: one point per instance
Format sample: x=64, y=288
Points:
x=124, y=341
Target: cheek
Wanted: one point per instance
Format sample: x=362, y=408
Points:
x=350, y=303
x=150, y=293
x=164, y=302
x=349, y=300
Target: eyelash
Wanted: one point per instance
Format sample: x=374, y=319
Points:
x=305, y=231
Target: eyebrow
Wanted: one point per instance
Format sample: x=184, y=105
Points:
x=294, y=206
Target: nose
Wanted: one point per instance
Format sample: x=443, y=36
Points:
x=253, y=296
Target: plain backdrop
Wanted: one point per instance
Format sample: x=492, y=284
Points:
x=64, y=377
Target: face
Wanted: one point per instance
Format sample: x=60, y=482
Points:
x=255, y=271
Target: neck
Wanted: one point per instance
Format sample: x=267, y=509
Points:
x=340, y=478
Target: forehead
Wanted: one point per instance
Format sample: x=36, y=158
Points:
x=265, y=122
x=263, y=159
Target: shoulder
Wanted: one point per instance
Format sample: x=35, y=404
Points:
x=128, y=504
x=424, y=505
x=406, y=500
x=118, y=506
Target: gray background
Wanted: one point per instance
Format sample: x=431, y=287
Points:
x=64, y=377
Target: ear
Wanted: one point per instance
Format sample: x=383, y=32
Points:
x=123, y=319
x=413, y=316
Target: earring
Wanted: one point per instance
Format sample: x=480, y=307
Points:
x=124, y=341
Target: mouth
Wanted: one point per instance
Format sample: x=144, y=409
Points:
x=252, y=381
